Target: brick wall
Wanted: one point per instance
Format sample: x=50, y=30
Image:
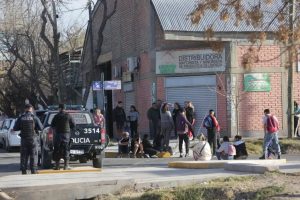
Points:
x=221, y=102
x=253, y=103
x=268, y=55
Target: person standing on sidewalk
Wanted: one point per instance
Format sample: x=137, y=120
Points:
x=99, y=118
x=119, y=117
x=62, y=124
x=296, y=118
x=133, y=118
x=271, y=127
x=175, y=111
x=167, y=125
x=183, y=125
x=190, y=115
x=212, y=126
x=150, y=115
x=28, y=124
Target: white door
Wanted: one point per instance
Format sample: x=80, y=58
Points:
x=203, y=96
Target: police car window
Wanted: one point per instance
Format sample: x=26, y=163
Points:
x=7, y=124
x=79, y=118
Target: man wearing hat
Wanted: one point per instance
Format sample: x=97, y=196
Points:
x=28, y=124
x=62, y=123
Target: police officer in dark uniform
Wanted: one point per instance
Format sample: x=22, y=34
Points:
x=28, y=124
x=62, y=123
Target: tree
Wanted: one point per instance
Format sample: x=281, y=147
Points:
x=29, y=52
x=252, y=14
x=96, y=50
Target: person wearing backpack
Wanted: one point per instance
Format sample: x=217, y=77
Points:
x=226, y=151
x=212, y=126
x=271, y=127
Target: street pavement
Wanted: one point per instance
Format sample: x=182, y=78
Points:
x=117, y=174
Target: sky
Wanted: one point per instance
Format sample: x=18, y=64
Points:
x=75, y=12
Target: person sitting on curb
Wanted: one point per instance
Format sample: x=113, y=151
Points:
x=137, y=146
x=148, y=147
x=226, y=151
x=240, y=146
x=201, y=150
x=123, y=144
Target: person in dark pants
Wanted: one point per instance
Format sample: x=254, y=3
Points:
x=148, y=147
x=212, y=126
x=133, y=118
x=153, y=115
x=28, y=124
x=296, y=118
x=119, y=117
x=174, y=115
x=182, y=126
x=190, y=115
x=62, y=123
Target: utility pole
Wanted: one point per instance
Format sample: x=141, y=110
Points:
x=291, y=69
x=56, y=62
x=93, y=63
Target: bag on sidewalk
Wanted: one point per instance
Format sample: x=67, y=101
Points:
x=164, y=154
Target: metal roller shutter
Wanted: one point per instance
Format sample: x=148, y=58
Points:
x=203, y=98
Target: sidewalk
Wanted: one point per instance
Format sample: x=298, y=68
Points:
x=112, y=180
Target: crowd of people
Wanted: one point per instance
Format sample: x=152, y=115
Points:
x=161, y=124
x=166, y=118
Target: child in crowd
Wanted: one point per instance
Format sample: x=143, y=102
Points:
x=124, y=144
x=226, y=151
x=240, y=146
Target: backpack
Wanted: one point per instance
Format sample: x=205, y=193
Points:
x=207, y=123
x=231, y=150
x=272, y=125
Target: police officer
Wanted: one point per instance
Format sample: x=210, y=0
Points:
x=62, y=123
x=28, y=124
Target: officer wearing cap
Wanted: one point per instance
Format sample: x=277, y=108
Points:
x=28, y=124
x=62, y=123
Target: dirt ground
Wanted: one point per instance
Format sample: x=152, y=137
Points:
x=267, y=186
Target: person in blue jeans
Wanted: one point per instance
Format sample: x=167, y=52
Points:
x=271, y=127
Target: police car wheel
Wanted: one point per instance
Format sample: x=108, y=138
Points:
x=46, y=159
x=97, y=161
x=6, y=146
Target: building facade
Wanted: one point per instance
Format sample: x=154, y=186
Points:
x=158, y=54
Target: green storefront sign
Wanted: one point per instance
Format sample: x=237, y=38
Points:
x=257, y=82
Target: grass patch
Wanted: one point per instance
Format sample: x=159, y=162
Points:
x=242, y=187
x=254, y=146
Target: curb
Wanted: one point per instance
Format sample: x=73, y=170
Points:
x=72, y=170
x=197, y=164
x=252, y=168
x=221, y=163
